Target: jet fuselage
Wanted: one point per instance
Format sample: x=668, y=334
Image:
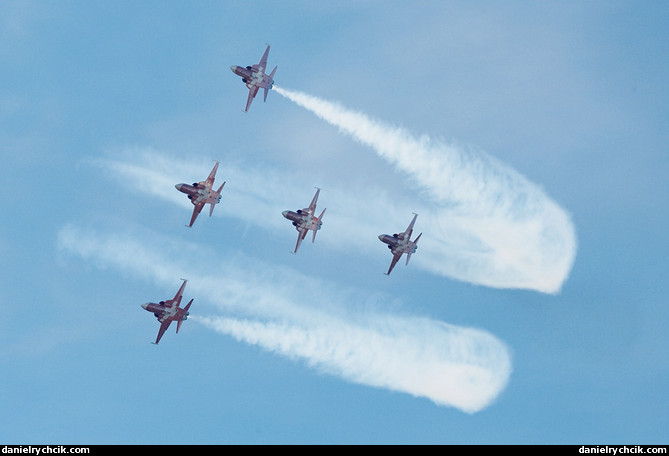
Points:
x=398, y=245
x=161, y=311
x=199, y=193
x=303, y=219
x=253, y=77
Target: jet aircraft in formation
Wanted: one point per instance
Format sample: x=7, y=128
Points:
x=304, y=220
x=168, y=311
x=201, y=193
x=401, y=243
x=255, y=78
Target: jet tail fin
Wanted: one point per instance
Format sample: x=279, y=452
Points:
x=313, y=239
x=212, y=204
x=415, y=241
x=186, y=314
x=271, y=82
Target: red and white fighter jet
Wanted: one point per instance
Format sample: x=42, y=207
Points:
x=255, y=78
x=304, y=220
x=168, y=311
x=201, y=193
x=401, y=243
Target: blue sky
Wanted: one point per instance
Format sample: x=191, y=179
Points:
x=530, y=137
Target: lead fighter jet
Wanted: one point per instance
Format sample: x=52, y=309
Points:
x=401, y=243
x=255, y=78
x=201, y=193
x=304, y=220
x=168, y=311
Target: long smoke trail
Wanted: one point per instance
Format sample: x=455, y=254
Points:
x=465, y=368
x=487, y=223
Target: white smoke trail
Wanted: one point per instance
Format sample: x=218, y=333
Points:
x=460, y=367
x=487, y=225
x=453, y=366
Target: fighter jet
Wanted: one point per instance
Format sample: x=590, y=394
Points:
x=401, y=243
x=168, y=311
x=304, y=220
x=201, y=193
x=255, y=78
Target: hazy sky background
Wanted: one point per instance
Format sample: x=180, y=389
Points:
x=530, y=137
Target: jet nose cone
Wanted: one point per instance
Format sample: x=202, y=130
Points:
x=178, y=186
x=233, y=68
x=381, y=237
x=284, y=213
x=144, y=306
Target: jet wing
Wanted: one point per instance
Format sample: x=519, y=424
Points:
x=312, y=205
x=252, y=93
x=396, y=258
x=263, y=60
x=163, y=327
x=302, y=233
x=212, y=175
x=409, y=229
x=196, y=211
x=177, y=297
